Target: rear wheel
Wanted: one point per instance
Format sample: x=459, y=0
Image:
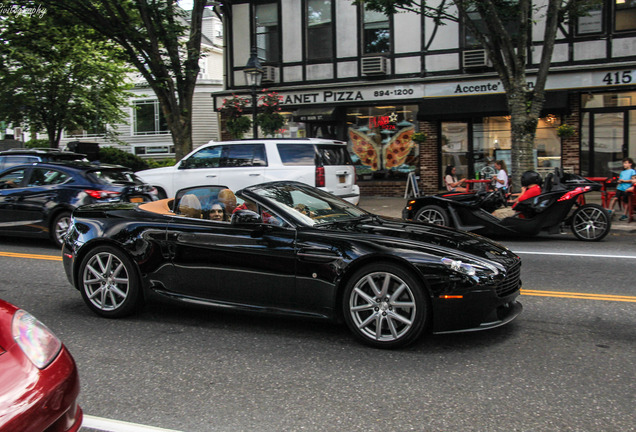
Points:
x=384, y=306
x=590, y=222
x=432, y=214
x=109, y=282
x=59, y=227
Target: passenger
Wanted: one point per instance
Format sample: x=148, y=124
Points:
x=451, y=182
x=501, y=178
x=217, y=212
x=624, y=183
x=531, y=187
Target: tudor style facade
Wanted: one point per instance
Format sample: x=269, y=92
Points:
x=371, y=79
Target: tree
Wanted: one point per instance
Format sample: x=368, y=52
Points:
x=158, y=42
x=58, y=78
x=489, y=22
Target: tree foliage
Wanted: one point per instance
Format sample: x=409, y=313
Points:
x=54, y=78
x=158, y=41
x=490, y=21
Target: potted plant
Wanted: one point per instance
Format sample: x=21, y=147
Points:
x=566, y=131
x=236, y=123
x=419, y=137
x=270, y=120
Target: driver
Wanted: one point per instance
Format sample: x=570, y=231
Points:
x=530, y=188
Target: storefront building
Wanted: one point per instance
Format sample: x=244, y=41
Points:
x=373, y=86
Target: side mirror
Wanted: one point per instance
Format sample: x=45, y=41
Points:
x=246, y=217
x=185, y=164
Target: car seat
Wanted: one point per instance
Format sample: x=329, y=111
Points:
x=190, y=206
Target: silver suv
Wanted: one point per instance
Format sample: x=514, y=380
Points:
x=323, y=163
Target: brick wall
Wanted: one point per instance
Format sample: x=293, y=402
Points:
x=570, y=147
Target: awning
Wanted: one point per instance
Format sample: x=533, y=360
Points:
x=482, y=106
x=315, y=114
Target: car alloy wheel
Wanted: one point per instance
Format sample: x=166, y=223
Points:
x=109, y=282
x=384, y=306
x=590, y=222
x=432, y=214
x=60, y=227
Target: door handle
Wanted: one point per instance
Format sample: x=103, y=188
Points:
x=254, y=175
x=211, y=175
x=10, y=199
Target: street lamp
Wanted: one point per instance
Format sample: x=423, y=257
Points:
x=253, y=76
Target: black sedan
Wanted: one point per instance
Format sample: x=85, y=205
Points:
x=37, y=199
x=288, y=248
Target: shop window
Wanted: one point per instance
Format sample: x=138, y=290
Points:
x=149, y=119
x=267, y=31
x=319, y=30
x=376, y=37
x=625, y=15
x=380, y=141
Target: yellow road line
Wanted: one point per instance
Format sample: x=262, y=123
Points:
x=526, y=292
x=31, y=256
x=584, y=296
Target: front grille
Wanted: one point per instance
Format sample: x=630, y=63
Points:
x=511, y=283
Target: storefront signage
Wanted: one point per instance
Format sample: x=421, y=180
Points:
x=404, y=93
x=383, y=122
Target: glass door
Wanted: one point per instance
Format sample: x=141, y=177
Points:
x=455, y=136
x=609, y=143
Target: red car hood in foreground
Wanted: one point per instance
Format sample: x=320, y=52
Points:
x=33, y=399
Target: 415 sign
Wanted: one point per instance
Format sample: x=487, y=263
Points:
x=619, y=77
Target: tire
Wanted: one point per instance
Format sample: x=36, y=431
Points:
x=590, y=222
x=109, y=283
x=432, y=214
x=59, y=227
x=384, y=306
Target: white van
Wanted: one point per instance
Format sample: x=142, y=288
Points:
x=323, y=163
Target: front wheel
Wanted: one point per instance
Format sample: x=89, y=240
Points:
x=109, y=282
x=432, y=214
x=590, y=222
x=384, y=306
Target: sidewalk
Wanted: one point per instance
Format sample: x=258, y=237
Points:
x=392, y=206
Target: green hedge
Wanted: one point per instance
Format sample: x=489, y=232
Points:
x=112, y=155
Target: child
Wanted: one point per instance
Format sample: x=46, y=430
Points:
x=624, y=183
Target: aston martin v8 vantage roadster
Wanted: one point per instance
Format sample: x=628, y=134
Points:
x=289, y=248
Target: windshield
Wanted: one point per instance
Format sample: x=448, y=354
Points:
x=308, y=204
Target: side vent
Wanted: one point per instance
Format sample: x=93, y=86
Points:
x=475, y=59
x=269, y=74
x=374, y=65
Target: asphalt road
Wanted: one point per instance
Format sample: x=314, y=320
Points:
x=568, y=363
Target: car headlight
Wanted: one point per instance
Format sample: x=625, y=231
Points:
x=38, y=343
x=470, y=269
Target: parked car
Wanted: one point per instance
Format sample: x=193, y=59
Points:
x=39, y=383
x=37, y=199
x=322, y=163
x=12, y=157
x=292, y=249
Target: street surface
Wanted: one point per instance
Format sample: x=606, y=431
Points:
x=568, y=363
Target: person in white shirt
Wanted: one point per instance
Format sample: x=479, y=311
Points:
x=501, y=179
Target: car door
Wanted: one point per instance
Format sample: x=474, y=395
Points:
x=201, y=168
x=243, y=165
x=12, y=191
x=243, y=265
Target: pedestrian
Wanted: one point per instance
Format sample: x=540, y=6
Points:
x=501, y=178
x=623, y=184
x=451, y=182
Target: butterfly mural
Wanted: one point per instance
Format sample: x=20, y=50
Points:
x=382, y=156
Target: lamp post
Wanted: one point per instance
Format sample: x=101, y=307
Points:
x=253, y=76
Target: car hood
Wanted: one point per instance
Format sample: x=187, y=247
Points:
x=155, y=172
x=428, y=238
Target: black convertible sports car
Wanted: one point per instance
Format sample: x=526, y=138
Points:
x=288, y=248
